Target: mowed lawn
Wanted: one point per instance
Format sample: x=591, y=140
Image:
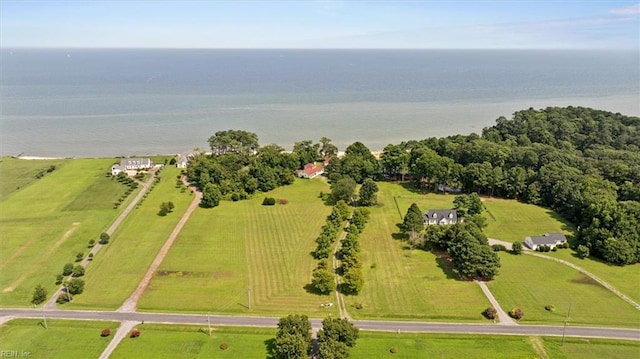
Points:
x=189, y=341
x=626, y=279
x=510, y=220
x=62, y=339
x=402, y=285
x=225, y=255
x=16, y=174
x=120, y=265
x=531, y=283
x=47, y=222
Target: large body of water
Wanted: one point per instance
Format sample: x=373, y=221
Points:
x=115, y=102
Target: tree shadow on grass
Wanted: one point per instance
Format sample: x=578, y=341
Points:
x=270, y=346
x=444, y=262
x=309, y=288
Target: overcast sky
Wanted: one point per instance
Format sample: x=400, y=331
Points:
x=321, y=24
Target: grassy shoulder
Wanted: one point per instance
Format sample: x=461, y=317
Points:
x=187, y=341
x=61, y=339
x=241, y=250
x=400, y=284
x=116, y=271
x=531, y=283
x=45, y=224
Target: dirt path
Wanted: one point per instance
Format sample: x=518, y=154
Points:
x=502, y=315
x=51, y=303
x=122, y=332
x=131, y=304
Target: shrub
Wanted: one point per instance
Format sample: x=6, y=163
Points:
x=59, y=279
x=224, y=346
x=582, y=251
x=554, y=249
x=516, y=248
x=68, y=269
x=79, y=256
x=268, y=201
x=393, y=350
x=550, y=308
x=75, y=286
x=64, y=298
x=490, y=313
x=499, y=248
x=92, y=243
x=90, y=256
x=134, y=333
x=78, y=271
x=516, y=313
x=105, y=332
x=283, y=201
x=104, y=238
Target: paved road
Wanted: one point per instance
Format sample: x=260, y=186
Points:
x=391, y=326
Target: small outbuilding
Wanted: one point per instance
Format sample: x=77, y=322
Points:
x=547, y=239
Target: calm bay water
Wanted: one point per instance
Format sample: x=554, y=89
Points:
x=112, y=102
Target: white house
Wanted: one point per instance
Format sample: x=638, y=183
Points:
x=547, y=239
x=441, y=217
x=134, y=163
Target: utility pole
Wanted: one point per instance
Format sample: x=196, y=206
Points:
x=566, y=320
x=249, y=296
x=209, y=323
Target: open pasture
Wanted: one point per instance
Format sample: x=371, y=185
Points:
x=403, y=285
x=16, y=174
x=531, y=283
x=510, y=220
x=61, y=339
x=45, y=224
x=116, y=271
x=189, y=341
x=243, y=250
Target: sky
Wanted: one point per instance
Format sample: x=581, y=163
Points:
x=322, y=24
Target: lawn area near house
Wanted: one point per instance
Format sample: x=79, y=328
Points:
x=16, y=174
x=62, y=339
x=46, y=223
x=624, y=278
x=190, y=341
x=510, y=220
x=116, y=271
x=531, y=283
x=224, y=252
x=402, y=285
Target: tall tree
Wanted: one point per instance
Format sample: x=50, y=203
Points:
x=343, y=190
x=327, y=149
x=413, y=220
x=368, y=193
x=211, y=196
x=39, y=295
x=293, y=340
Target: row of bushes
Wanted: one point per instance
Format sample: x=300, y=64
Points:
x=269, y=201
x=492, y=313
x=44, y=171
x=351, y=270
x=129, y=182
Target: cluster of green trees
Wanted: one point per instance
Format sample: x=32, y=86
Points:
x=581, y=162
x=166, y=208
x=349, y=253
x=239, y=167
x=322, y=278
x=293, y=339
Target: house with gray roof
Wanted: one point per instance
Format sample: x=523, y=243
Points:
x=441, y=217
x=547, y=239
x=133, y=163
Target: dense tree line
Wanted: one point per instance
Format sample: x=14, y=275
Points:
x=583, y=163
x=349, y=253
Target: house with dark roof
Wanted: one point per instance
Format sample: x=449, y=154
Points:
x=441, y=217
x=134, y=163
x=547, y=239
x=310, y=170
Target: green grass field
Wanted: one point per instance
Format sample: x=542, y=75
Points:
x=118, y=268
x=623, y=278
x=16, y=174
x=401, y=285
x=531, y=283
x=183, y=341
x=62, y=339
x=45, y=223
x=511, y=221
x=224, y=251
